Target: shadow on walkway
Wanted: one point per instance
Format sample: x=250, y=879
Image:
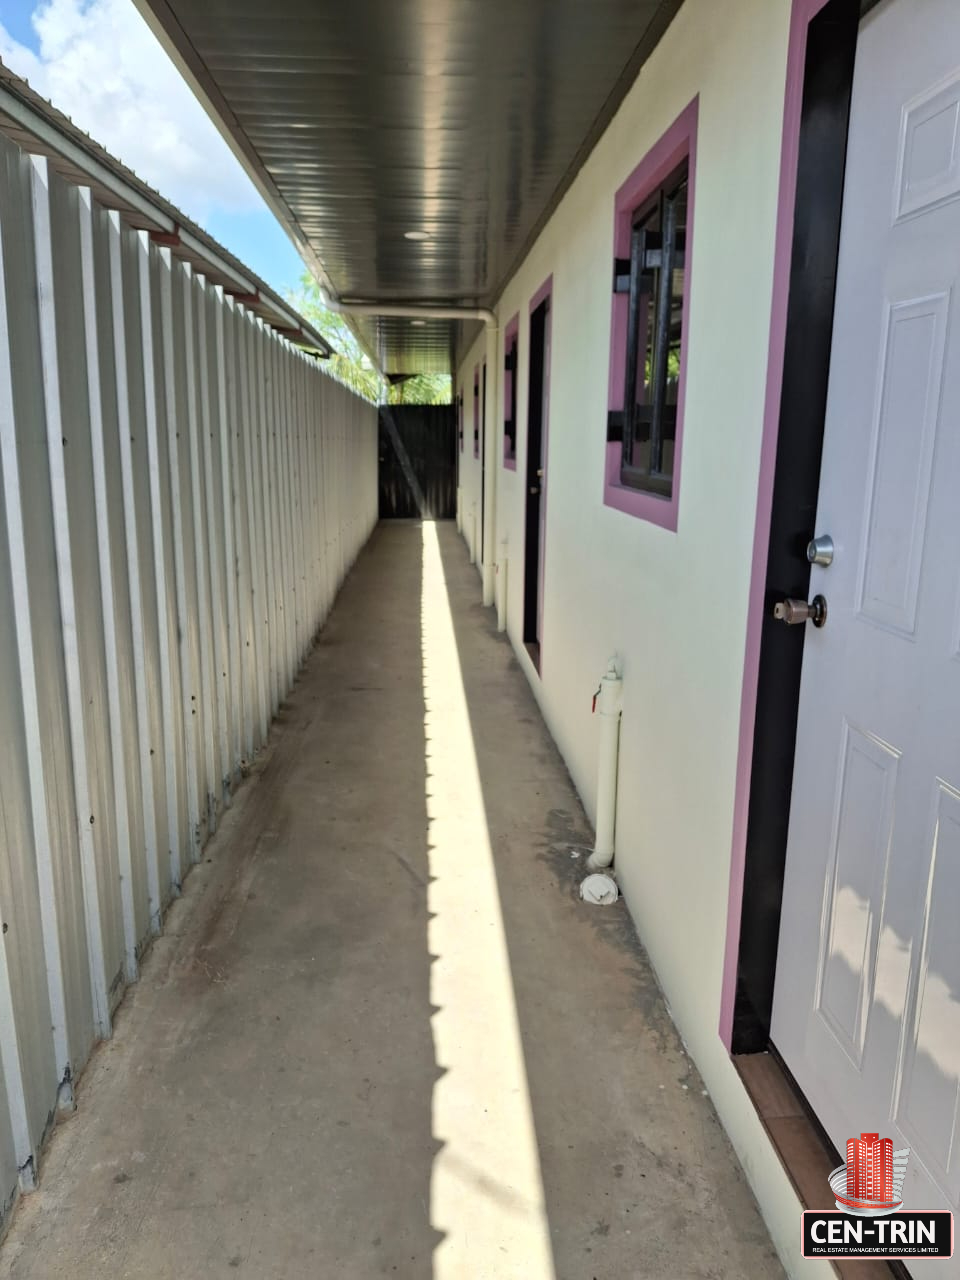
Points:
x=382, y=1036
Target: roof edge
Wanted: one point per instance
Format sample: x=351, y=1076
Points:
x=39, y=128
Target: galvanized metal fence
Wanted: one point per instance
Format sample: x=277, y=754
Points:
x=182, y=494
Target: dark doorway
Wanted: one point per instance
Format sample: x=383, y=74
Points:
x=459, y=449
x=828, y=80
x=532, y=561
x=418, y=462
x=483, y=457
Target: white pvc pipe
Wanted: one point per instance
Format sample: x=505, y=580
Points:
x=609, y=704
x=459, y=517
x=473, y=533
x=502, y=587
x=401, y=310
x=406, y=310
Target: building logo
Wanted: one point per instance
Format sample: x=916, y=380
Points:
x=870, y=1221
x=871, y=1182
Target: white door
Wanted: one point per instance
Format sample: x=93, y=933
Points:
x=867, y=1000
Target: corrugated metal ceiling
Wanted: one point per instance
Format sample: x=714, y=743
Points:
x=464, y=119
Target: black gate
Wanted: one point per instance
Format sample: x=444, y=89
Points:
x=418, y=461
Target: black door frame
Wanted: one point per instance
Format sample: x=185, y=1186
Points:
x=824, y=125
x=458, y=404
x=483, y=457
x=534, y=497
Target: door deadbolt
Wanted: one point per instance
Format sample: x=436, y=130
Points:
x=820, y=550
x=794, y=612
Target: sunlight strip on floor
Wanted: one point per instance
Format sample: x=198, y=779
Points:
x=487, y=1190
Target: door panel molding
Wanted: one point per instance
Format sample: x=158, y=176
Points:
x=925, y=1077
x=929, y=137
x=911, y=328
x=862, y=822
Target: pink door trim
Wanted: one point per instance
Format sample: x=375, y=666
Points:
x=803, y=13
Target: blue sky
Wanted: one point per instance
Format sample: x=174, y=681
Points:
x=15, y=16
x=97, y=61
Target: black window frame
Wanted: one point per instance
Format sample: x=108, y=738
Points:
x=653, y=239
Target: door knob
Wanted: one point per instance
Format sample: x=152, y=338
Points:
x=793, y=612
x=820, y=550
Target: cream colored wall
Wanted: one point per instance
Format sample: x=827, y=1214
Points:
x=672, y=606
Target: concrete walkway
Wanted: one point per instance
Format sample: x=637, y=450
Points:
x=382, y=1036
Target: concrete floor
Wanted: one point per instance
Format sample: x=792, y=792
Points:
x=382, y=1036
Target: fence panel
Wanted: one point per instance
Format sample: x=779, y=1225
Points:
x=181, y=494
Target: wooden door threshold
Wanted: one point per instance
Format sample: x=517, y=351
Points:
x=804, y=1151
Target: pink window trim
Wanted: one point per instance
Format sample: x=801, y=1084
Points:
x=512, y=331
x=677, y=144
x=476, y=411
x=803, y=13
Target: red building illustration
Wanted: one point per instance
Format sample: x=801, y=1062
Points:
x=870, y=1167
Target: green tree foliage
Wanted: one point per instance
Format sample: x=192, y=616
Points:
x=350, y=364
x=422, y=388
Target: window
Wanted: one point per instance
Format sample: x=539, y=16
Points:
x=476, y=411
x=510, y=345
x=654, y=329
x=651, y=285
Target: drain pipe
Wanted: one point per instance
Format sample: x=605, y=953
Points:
x=423, y=311
x=608, y=700
x=502, y=587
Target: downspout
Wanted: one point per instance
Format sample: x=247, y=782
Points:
x=420, y=311
x=608, y=701
x=501, y=591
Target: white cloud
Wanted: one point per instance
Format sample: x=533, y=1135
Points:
x=101, y=65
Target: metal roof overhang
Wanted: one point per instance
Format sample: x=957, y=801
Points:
x=462, y=119
x=40, y=129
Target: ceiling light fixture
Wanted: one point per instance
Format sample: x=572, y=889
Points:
x=418, y=323
x=416, y=235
